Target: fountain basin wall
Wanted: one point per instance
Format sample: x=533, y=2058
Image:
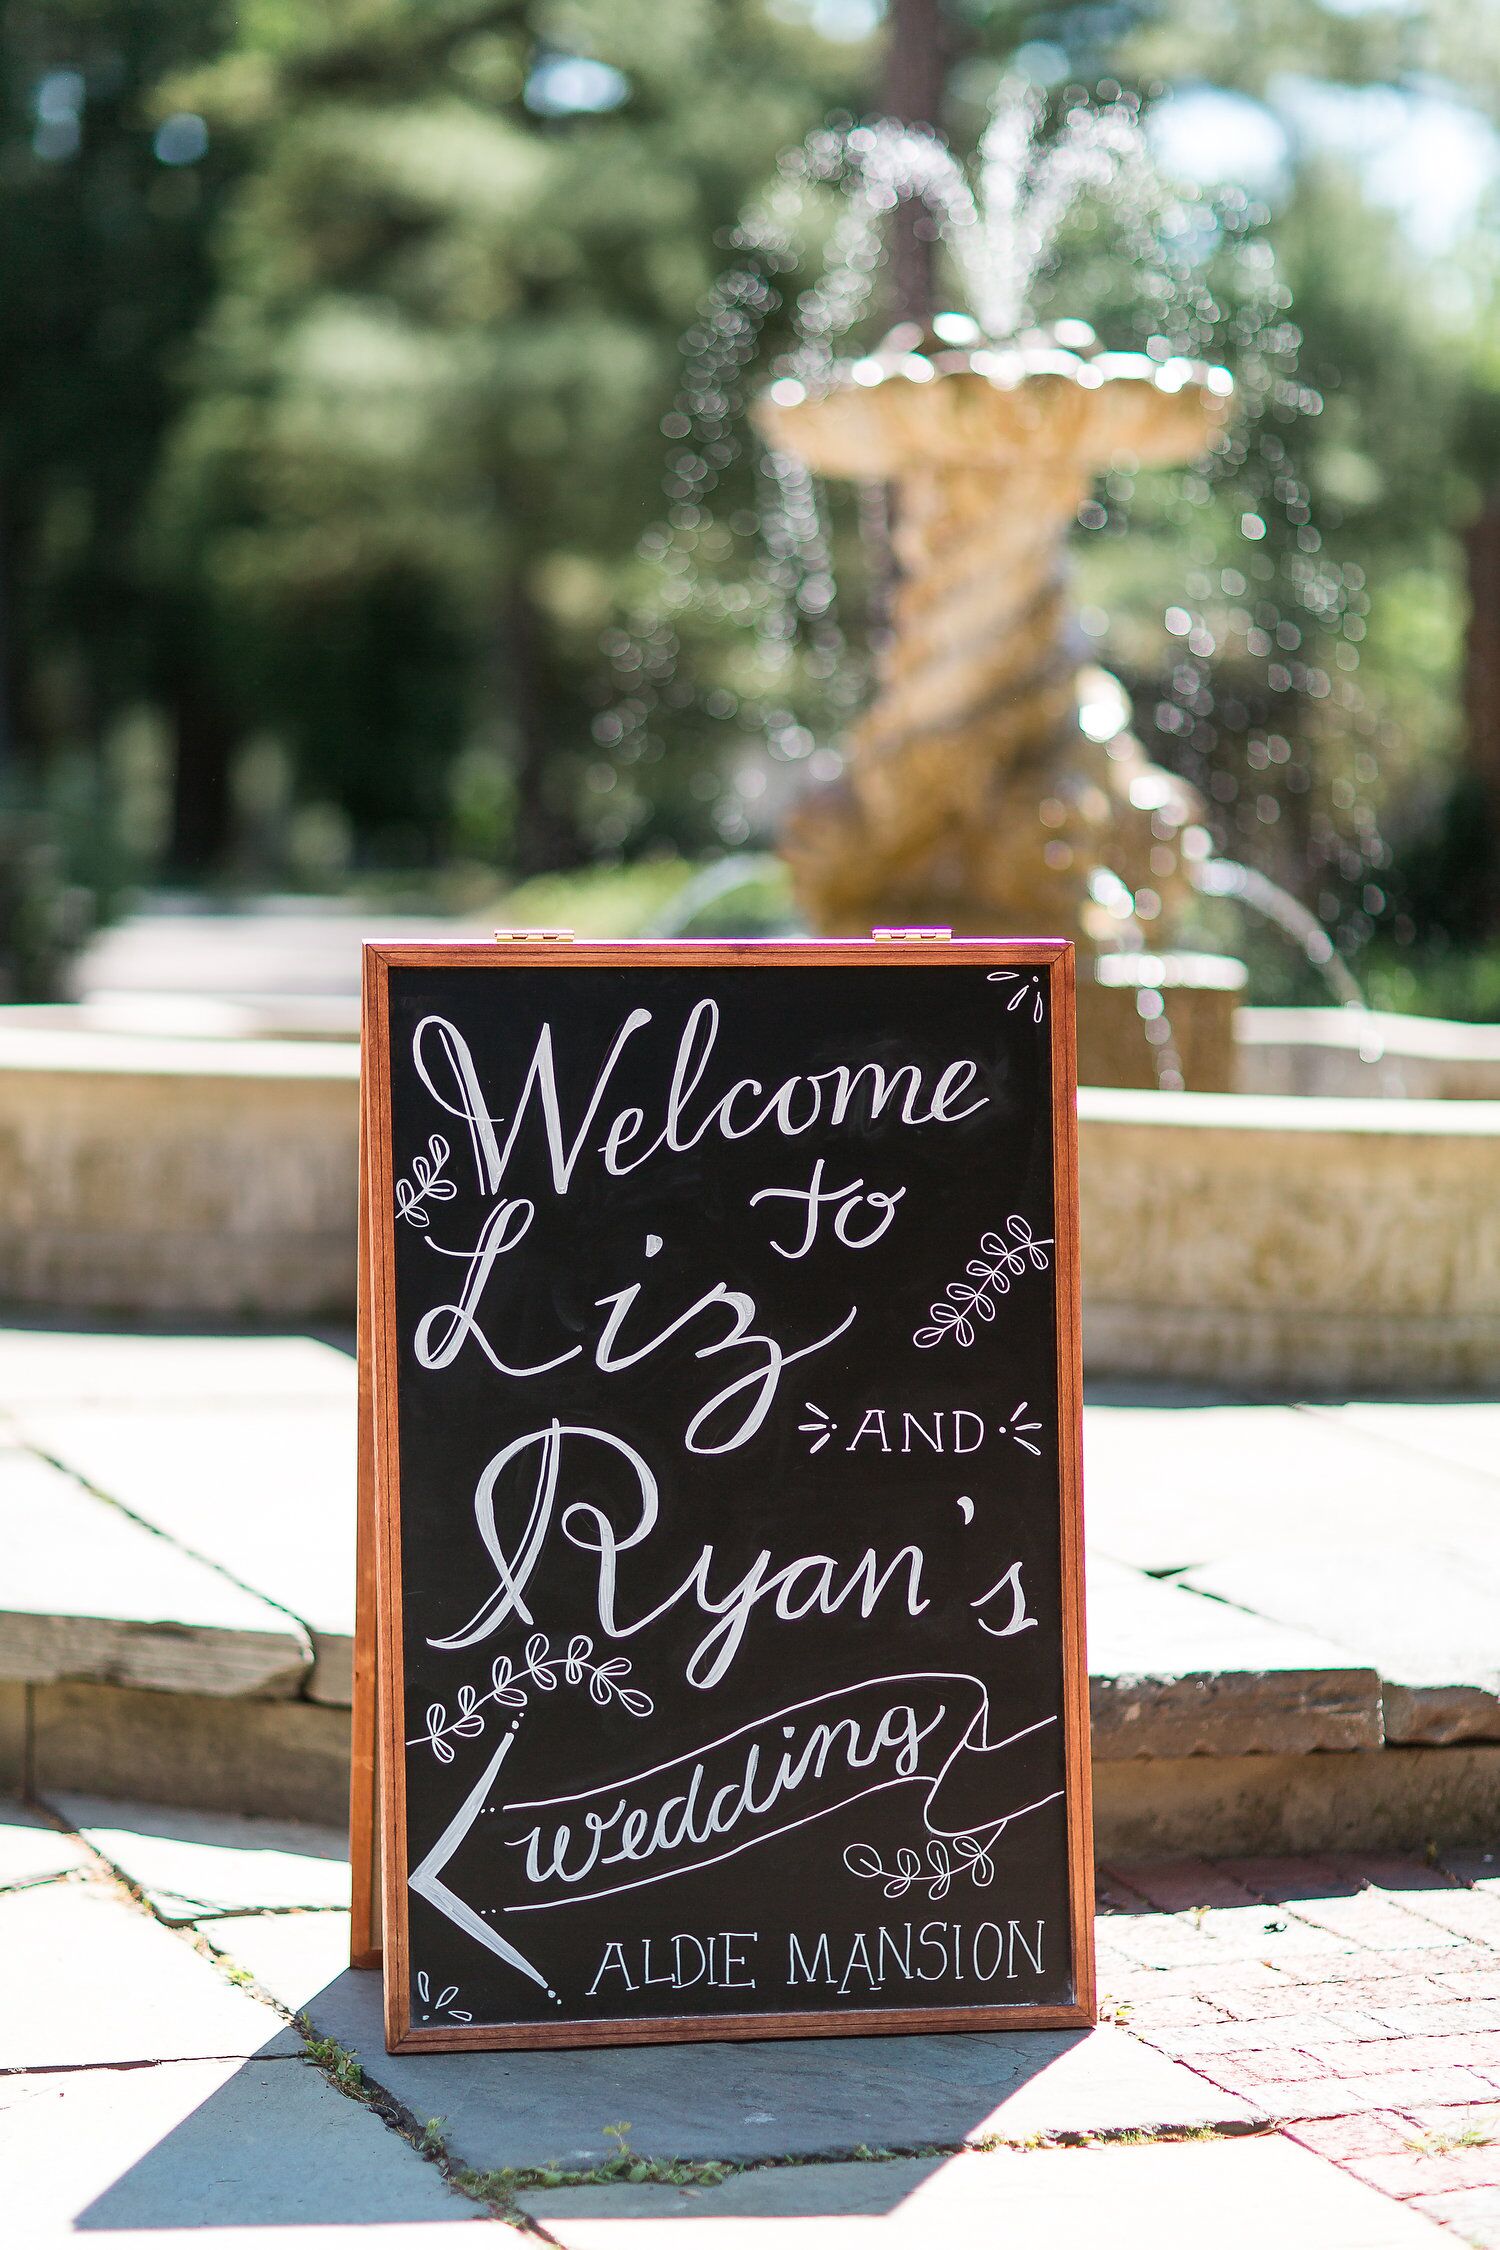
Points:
x=1350, y=1051
x=167, y=1175
x=1232, y=1238
x=1280, y=1240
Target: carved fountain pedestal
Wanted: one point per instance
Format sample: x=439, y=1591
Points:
x=993, y=786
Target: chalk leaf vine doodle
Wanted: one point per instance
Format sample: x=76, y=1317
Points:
x=426, y=1184
x=945, y=1862
x=1028, y=984
x=1000, y=1262
x=512, y=1690
x=443, y=2004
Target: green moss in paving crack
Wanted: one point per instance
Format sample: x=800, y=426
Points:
x=338, y=2064
x=1439, y=2143
x=625, y=2166
x=500, y=2188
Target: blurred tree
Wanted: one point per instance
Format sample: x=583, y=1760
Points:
x=107, y=206
x=336, y=345
x=423, y=433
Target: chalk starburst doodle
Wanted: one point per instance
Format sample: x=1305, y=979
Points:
x=1017, y=1429
x=820, y=1429
x=964, y=1305
x=1028, y=986
x=440, y=2003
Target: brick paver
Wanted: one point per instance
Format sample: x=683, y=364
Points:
x=1472, y=2213
x=1355, y=1997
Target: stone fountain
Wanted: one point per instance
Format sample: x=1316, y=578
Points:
x=994, y=786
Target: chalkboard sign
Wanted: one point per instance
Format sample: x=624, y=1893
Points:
x=721, y=1577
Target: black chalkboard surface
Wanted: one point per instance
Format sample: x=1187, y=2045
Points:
x=723, y=1426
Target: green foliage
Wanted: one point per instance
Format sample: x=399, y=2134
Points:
x=329, y=426
x=340, y=2064
x=421, y=433
x=596, y=901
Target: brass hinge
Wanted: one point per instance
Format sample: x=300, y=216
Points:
x=912, y=936
x=533, y=937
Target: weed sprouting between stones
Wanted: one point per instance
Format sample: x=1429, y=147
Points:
x=342, y=2067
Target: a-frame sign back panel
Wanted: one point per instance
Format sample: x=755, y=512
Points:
x=724, y=1637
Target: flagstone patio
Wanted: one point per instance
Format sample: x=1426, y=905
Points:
x=1298, y=2052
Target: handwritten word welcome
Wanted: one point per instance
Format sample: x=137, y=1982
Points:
x=837, y=1097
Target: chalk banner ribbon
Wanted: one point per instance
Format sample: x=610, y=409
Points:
x=787, y=1770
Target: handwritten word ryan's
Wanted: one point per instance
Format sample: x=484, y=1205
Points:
x=792, y=1590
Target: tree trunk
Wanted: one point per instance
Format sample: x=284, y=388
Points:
x=205, y=739
x=916, y=67
x=545, y=838
x=1482, y=705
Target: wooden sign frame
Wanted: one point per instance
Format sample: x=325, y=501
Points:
x=377, y=1789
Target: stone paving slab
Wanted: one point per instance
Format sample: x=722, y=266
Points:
x=44, y=1365
x=134, y=2156
x=90, y=1595
x=1464, y=1433
x=1473, y=2214
x=90, y=1979
x=266, y=1495
x=755, y=2099
x=190, y=1864
x=1175, y=1675
x=1234, y=2195
x=1171, y=1489
x=294, y=1957
x=1426, y=1613
x=32, y=1850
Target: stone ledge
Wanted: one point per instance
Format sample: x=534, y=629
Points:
x=69, y=1051
x=1326, y=1115
x=1156, y=1717
x=1175, y=1674
x=89, y=1593
x=1274, y=1345
x=1395, y=1799
x=285, y=1761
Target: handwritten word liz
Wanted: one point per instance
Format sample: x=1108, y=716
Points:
x=844, y=1202
x=442, y=1332
x=838, y=1096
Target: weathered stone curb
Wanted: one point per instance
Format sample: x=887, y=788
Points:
x=1225, y=1236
